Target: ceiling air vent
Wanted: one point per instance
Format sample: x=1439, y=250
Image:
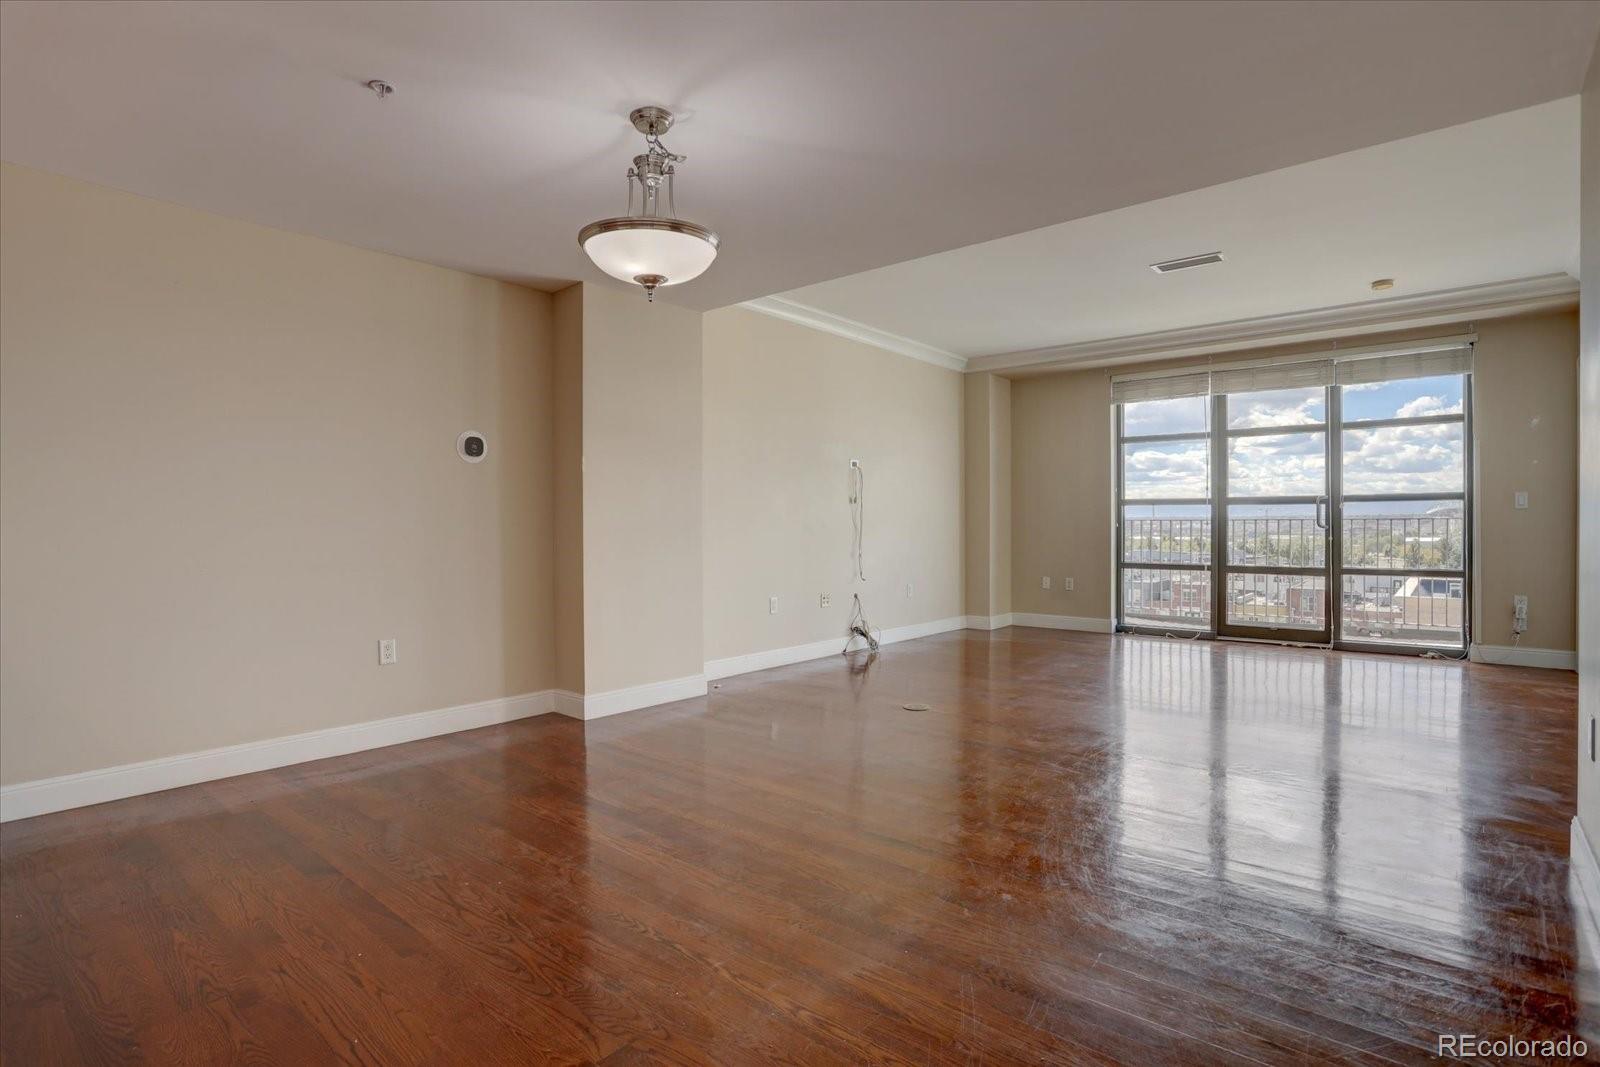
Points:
x=1168, y=266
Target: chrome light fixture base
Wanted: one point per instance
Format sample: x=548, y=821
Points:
x=651, y=247
x=639, y=222
x=650, y=120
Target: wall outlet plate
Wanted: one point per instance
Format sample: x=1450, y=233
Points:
x=909, y=590
x=1044, y=583
x=387, y=654
x=1066, y=583
x=772, y=605
x=825, y=600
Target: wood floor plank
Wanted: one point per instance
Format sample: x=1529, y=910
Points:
x=1088, y=850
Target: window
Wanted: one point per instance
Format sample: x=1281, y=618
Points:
x=1403, y=526
x=1324, y=500
x=1164, y=511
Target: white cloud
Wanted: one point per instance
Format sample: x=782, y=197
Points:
x=1279, y=407
x=1404, y=459
x=1166, y=471
x=1427, y=405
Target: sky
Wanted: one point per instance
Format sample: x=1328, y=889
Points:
x=1395, y=459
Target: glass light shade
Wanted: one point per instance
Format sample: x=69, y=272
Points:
x=631, y=247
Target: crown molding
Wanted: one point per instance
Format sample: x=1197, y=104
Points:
x=1496, y=300
x=817, y=319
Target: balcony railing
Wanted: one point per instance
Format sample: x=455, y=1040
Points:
x=1167, y=541
x=1404, y=542
x=1390, y=542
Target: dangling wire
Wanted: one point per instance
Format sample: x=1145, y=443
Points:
x=858, y=516
x=860, y=627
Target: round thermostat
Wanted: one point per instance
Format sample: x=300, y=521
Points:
x=472, y=446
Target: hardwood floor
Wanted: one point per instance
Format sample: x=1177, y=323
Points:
x=1088, y=850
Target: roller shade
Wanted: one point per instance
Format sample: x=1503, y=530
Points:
x=1163, y=387
x=1398, y=367
x=1304, y=375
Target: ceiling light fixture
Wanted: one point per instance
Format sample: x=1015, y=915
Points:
x=1169, y=265
x=1382, y=284
x=653, y=247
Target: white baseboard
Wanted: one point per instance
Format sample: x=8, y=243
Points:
x=782, y=657
x=1062, y=622
x=773, y=657
x=566, y=702
x=988, y=622
x=1585, y=886
x=26, y=799
x=1522, y=656
x=615, y=701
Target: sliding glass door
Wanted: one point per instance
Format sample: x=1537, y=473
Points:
x=1323, y=501
x=1273, y=509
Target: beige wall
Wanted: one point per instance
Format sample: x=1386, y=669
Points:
x=1061, y=494
x=786, y=408
x=1000, y=561
x=1525, y=414
x=1589, y=493
x=986, y=447
x=228, y=468
x=978, y=547
x=567, y=483
x=641, y=490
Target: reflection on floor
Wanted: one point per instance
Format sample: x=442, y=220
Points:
x=1089, y=849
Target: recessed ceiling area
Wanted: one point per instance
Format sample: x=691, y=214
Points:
x=1488, y=201
x=823, y=140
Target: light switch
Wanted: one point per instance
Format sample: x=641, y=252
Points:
x=1520, y=500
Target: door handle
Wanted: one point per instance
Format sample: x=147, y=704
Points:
x=1322, y=513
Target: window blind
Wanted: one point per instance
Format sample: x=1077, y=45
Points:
x=1398, y=367
x=1309, y=374
x=1387, y=363
x=1162, y=387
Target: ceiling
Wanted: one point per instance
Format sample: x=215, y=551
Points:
x=1480, y=203
x=823, y=139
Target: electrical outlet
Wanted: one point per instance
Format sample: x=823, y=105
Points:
x=386, y=652
x=1044, y=583
x=1066, y=583
x=825, y=600
x=1519, y=614
x=772, y=605
x=908, y=590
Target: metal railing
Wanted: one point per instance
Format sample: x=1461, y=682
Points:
x=1411, y=606
x=1276, y=542
x=1393, y=542
x=1404, y=542
x=1167, y=541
